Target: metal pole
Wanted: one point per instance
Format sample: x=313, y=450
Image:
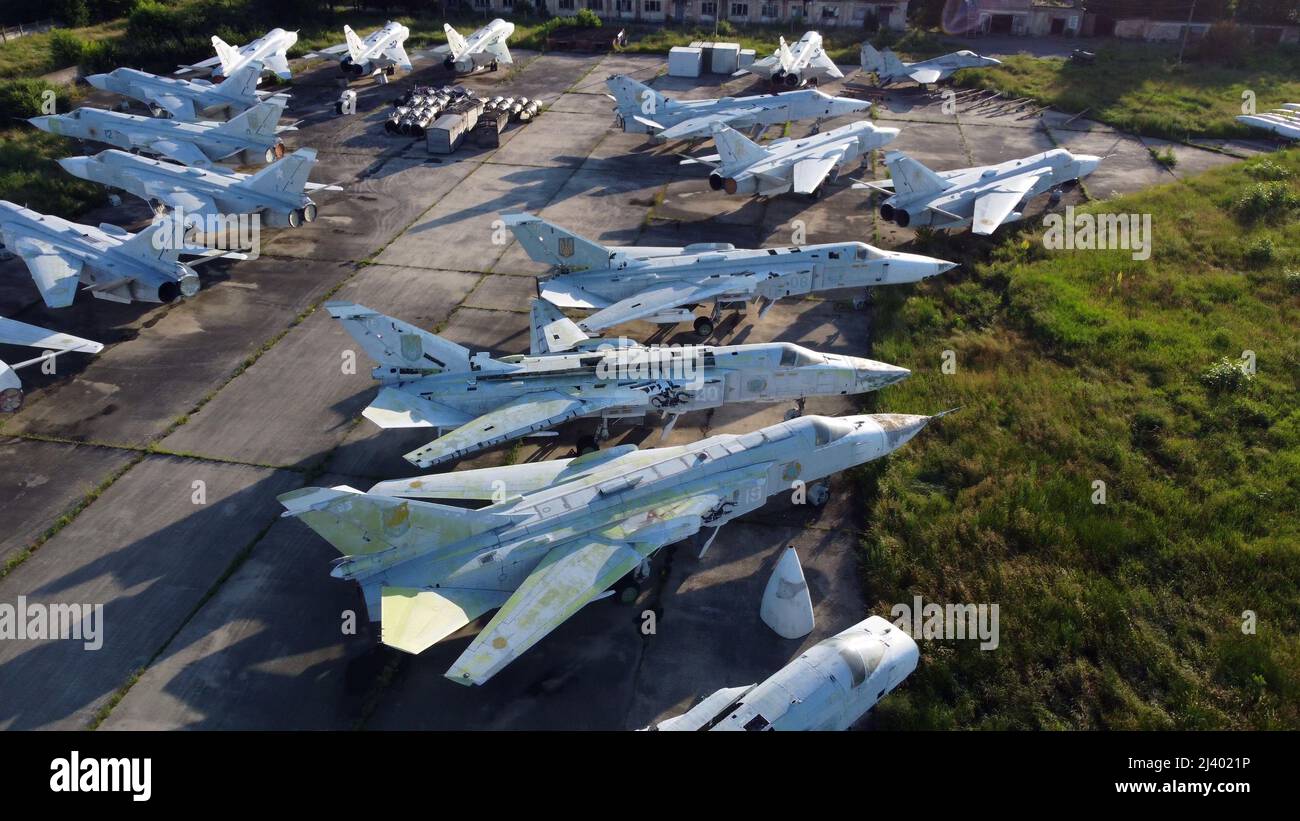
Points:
x=1186, y=29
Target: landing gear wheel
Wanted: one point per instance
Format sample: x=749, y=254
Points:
x=627, y=591
x=1055, y=198
x=587, y=444
x=819, y=494
x=860, y=302
x=704, y=327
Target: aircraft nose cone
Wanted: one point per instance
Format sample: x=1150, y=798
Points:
x=899, y=428
x=45, y=123
x=1087, y=164
x=76, y=166
x=99, y=81
x=872, y=375
x=915, y=267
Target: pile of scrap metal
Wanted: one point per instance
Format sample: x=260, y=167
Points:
x=415, y=110
x=517, y=109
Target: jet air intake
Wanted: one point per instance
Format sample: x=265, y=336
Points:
x=791, y=80
x=901, y=217
x=887, y=212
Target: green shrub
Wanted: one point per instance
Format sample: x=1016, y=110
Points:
x=1260, y=252
x=66, y=48
x=1266, y=201
x=23, y=98
x=1226, y=375
x=1268, y=170
x=587, y=19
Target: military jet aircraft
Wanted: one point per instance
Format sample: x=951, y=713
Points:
x=428, y=381
x=13, y=332
x=889, y=69
x=383, y=51
x=561, y=533
x=188, y=100
x=115, y=264
x=271, y=49
x=485, y=48
x=655, y=284
x=830, y=687
x=807, y=62
x=984, y=197
x=642, y=110
x=250, y=138
x=787, y=165
x=277, y=192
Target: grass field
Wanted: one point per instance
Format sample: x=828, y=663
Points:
x=1086, y=366
x=1141, y=88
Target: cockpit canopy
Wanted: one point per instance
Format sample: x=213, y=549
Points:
x=793, y=356
x=827, y=430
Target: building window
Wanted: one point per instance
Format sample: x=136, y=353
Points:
x=708, y=9
x=623, y=5
x=480, y=4
x=653, y=6
x=596, y=5
x=507, y=4
x=830, y=13
x=771, y=11
x=565, y=5
x=739, y=9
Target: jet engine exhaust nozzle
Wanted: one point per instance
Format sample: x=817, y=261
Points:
x=715, y=181
x=887, y=212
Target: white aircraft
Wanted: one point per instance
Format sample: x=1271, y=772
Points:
x=383, y=51
x=485, y=48
x=114, y=264
x=654, y=284
x=277, y=193
x=830, y=687
x=557, y=535
x=807, y=62
x=984, y=197
x=271, y=49
x=1284, y=121
x=786, y=165
x=427, y=381
x=189, y=100
x=888, y=68
x=642, y=110
x=13, y=332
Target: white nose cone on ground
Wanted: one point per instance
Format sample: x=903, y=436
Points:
x=787, y=605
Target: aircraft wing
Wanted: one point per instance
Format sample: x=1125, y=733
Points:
x=500, y=52
x=564, y=295
x=397, y=53
x=332, y=51
x=55, y=272
x=651, y=302
x=211, y=62
x=926, y=75
x=992, y=208
x=174, y=198
x=278, y=64
x=181, y=108
x=13, y=332
x=567, y=578
x=825, y=63
x=520, y=417
x=184, y=153
x=396, y=408
x=808, y=174
x=703, y=126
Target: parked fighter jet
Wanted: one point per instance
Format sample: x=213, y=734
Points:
x=249, y=138
x=428, y=381
x=271, y=49
x=276, y=192
x=383, y=51
x=807, y=62
x=115, y=264
x=559, y=534
x=1284, y=121
x=642, y=110
x=830, y=687
x=623, y=284
x=485, y=48
x=13, y=332
x=188, y=100
x=889, y=69
x=742, y=166
x=983, y=197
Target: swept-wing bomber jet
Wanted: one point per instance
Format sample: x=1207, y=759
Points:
x=249, y=138
x=642, y=110
x=383, y=51
x=984, y=197
x=271, y=49
x=428, y=381
x=189, y=100
x=889, y=69
x=559, y=534
x=805, y=62
x=485, y=48
x=656, y=284
x=13, y=332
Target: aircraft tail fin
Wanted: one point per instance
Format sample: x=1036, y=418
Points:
x=553, y=245
x=911, y=177
x=632, y=95
x=398, y=345
x=455, y=40
x=359, y=525
x=287, y=175
x=243, y=81
x=552, y=331
x=260, y=120
x=870, y=59
x=735, y=148
x=355, y=46
x=893, y=66
x=164, y=239
x=227, y=55
x=784, y=55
